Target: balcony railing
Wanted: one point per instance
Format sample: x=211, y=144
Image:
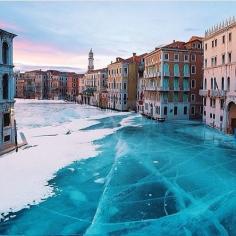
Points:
x=186, y=88
x=203, y=92
x=217, y=93
x=212, y=93
x=152, y=75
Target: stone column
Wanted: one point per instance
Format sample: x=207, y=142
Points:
x=225, y=119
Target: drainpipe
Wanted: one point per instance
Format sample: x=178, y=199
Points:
x=16, y=142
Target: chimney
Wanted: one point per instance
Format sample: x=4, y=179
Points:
x=134, y=55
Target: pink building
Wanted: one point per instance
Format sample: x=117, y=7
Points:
x=219, y=85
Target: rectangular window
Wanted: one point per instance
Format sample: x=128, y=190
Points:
x=165, y=111
x=166, y=56
x=193, y=83
x=222, y=102
x=215, y=42
x=185, y=110
x=124, y=86
x=205, y=63
x=6, y=138
x=221, y=118
x=193, y=69
x=6, y=119
x=223, y=39
x=192, y=110
x=229, y=57
x=214, y=116
x=212, y=61
x=175, y=110
x=186, y=57
x=146, y=106
x=192, y=97
x=205, y=46
x=193, y=57
x=125, y=71
x=223, y=59
x=230, y=37
x=212, y=44
x=210, y=115
x=176, y=57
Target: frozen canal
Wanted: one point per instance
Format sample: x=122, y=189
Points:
x=116, y=174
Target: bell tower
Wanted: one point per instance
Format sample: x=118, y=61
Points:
x=90, y=61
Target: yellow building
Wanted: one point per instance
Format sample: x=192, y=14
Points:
x=122, y=83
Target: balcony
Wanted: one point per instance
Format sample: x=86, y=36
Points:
x=151, y=88
x=152, y=75
x=186, y=88
x=217, y=93
x=212, y=93
x=203, y=92
x=156, y=88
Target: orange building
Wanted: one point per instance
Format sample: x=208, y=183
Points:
x=73, y=81
x=173, y=77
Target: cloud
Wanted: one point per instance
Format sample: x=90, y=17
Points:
x=191, y=29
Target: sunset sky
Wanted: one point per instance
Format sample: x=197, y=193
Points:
x=60, y=34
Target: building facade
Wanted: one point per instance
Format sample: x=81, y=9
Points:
x=219, y=86
x=172, y=76
x=73, y=83
x=7, y=124
x=95, y=84
x=122, y=83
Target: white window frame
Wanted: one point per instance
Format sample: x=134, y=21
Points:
x=193, y=96
x=176, y=54
x=167, y=56
x=192, y=69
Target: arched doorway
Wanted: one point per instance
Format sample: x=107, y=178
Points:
x=231, y=118
x=5, y=87
x=4, y=53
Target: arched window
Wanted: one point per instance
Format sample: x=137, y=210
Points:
x=5, y=50
x=222, y=83
x=205, y=84
x=215, y=84
x=211, y=83
x=5, y=87
x=176, y=70
x=186, y=70
x=166, y=69
x=228, y=84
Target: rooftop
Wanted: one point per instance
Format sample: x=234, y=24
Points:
x=219, y=27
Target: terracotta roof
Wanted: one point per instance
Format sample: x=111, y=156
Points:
x=131, y=59
x=175, y=44
x=194, y=38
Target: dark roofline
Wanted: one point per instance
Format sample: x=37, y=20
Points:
x=8, y=33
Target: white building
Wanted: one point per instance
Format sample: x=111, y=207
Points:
x=7, y=133
x=219, y=86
